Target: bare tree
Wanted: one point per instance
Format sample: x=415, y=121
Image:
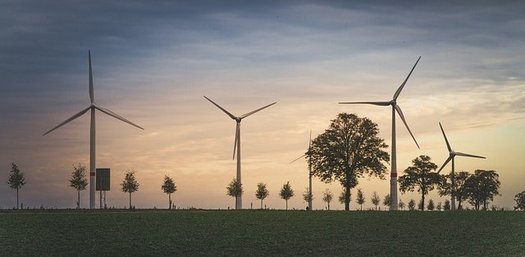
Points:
x=327, y=197
x=375, y=199
x=169, y=188
x=401, y=204
x=78, y=180
x=360, y=198
x=130, y=184
x=307, y=197
x=16, y=180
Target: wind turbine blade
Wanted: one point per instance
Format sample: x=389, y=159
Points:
x=91, y=90
x=398, y=109
x=116, y=116
x=444, y=164
x=252, y=112
x=469, y=155
x=398, y=91
x=68, y=120
x=235, y=141
x=373, y=103
x=302, y=156
x=224, y=110
x=445, y=136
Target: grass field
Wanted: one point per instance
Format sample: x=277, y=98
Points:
x=262, y=233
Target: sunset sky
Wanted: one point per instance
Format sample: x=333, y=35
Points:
x=153, y=63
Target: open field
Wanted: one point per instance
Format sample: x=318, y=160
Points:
x=261, y=233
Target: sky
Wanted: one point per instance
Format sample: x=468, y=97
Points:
x=154, y=62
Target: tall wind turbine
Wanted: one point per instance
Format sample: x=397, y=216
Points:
x=451, y=155
x=237, y=142
x=309, y=170
x=92, y=138
x=395, y=108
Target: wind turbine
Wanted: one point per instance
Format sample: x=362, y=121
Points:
x=451, y=155
x=395, y=108
x=237, y=141
x=309, y=170
x=92, y=139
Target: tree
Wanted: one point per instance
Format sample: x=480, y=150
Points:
x=421, y=205
x=169, y=188
x=401, y=204
x=307, y=197
x=360, y=198
x=387, y=200
x=520, y=201
x=78, y=180
x=446, y=205
x=420, y=176
x=130, y=184
x=439, y=207
x=461, y=191
x=412, y=204
x=234, y=189
x=327, y=197
x=375, y=199
x=16, y=180
x=286, y=193
x=262, y=192
x=350, y=148
x=482, y=186
x=430, y=205
x=343, y=197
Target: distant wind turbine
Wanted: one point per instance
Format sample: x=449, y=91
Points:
x=309, y=170
x=92, y=139
x=237, y=141
x=451, y=155
x=395, y=108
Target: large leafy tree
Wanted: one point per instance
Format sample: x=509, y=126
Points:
x=350, y=148
x=130, y=184
x=262, y=192
x=78, y=180
x=327, y=197
x=286, y=193
x=420, y=177
x=16, y=180
x=360, y=199
x=461, y=189
x=169, y=188
x=520, y=201
x=234, y=189
x=482, y=186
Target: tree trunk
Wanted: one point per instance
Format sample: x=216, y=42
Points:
x=423, y=202
x=286, y=204
x=17, y=199
x=347, y=198
x=261, y=203
x=78, y=199
x=361, y=206
x=328, y=205
x=169, y=198
x=130, y=200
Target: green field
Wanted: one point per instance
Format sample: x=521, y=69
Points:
x=261, y=233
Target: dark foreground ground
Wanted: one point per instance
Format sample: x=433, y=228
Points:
x=261, y=233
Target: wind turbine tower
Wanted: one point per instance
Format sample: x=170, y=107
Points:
x=451, y=155
x=92, y=135
x=237, y=142
x=395, y=108
x=309, y=171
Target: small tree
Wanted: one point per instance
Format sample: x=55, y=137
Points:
x=327, y=197
x=439, y=207
x=411, y=205
x=430, y=205
x=16, y=180
x=78, y=180
x=307, y=197
x=286, y=193
x=401, y=204
x=360, y=198
x=234, y=189
x=130, y=184
x=520, y=201
x=420, y=176
x=343, y=196
x=262, y=192
x=446, y=205
x=375, y=199
x=387, y=200
x=169, y=188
